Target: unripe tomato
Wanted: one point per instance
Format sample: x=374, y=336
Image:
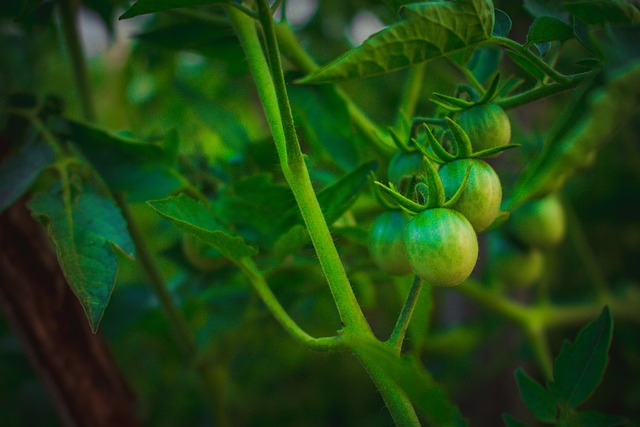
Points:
x=200, y=255
x=480, y=202
x=441, y=246
x=487, y=125
x=386, y=243
x=539, y=223
x=404, y=165
x=513, y=265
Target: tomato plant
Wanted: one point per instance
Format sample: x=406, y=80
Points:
x=197, y=197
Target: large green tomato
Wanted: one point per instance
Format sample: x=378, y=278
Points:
x=386, y=243
x=487, y=125
x=404, y=165
x=513, y=265
x=441, y=246
x=480, y=202
x=539, y=223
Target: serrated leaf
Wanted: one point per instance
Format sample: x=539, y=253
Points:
x=604, y=112
x=547, y=28
x=141, y=170
x=19, y=170
x=429, y=397
x=430, y=30
x=595, y=419
x=502, y=24
x=599, y=11
x=194, y=218
x=526, y=65
x=509, y=421
x=142, y=7
x=539, y=401
x=552, y=8
x=85, y=232
x=326, y=122
x=580, y=365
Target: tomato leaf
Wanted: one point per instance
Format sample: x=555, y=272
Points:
x=141, y=170
x=546, y=29
x=19, y=170
x=502, y=24
x=325, y=119
x=142, y=7
x=86, y=232
x=430, y=30
x=539, y=401
x=194, y=218
x=426, y=394
x=579, y=367
x=599, y=11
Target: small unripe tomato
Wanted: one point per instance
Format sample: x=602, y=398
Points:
x=487, y=125
x=441, y=246
x=404, y=165
x=200, y=255
x=539, y=223
x=513, y=265
x=480, y=201
x=386, y=243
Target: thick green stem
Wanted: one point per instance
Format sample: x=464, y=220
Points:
x=273, y=95
x=540, y=345
x=400, y=330
x=68, y=13
x=262, y=288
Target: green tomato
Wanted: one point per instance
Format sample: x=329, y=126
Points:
x=386, y=243
x=513, y=265
x=200, y=255
x=480, y=202
x=487, y=125
x=539, y=223
x=441, y=246
x=404, y=165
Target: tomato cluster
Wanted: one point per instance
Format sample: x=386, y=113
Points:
x=452, y=204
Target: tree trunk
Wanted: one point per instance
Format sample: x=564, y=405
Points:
x=75, y=365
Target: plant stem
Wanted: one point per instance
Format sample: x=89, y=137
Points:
x=304, y=62
x=68, y=13
x=400, y=330
x=540, y=92
x=495, y=301
x=536, y=61
x=262, y=288
x=149, y=267
x=538, y=341
x=274, y=100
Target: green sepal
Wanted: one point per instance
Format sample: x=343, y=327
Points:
x=436, y=189
x=500, y=219
x=398, y=141
x=378, y=193
x=422, y=191
x=491, y=151
x=447, y=106
x=461, y=139
x=456, y=102
x=402, y=201
x=463, y=186
x=438, y=150
x=492, y=91
x=508, y=86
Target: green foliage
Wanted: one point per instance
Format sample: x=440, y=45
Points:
x=142, y=7
x=86, y=229
x=429, y=31
x=20, y=170
x=194, y=218
x=577, y=371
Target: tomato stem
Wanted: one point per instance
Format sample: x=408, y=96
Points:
x=400, y=330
